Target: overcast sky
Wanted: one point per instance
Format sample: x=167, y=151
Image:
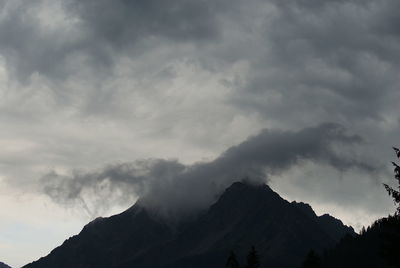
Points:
x=105, y=101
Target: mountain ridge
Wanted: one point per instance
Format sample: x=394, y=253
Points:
x=243, y=216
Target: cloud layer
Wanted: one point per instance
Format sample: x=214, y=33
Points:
x=174, y=190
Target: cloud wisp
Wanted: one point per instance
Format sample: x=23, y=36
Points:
x=174, y=190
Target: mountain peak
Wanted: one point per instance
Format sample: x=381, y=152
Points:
x=305, y=208
x=247, y=190
x=245, y=215
x=248, y=185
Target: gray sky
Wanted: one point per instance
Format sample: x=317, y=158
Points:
x=104, y=101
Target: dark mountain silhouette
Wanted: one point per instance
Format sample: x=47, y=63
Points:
x=378, y=246
x=244, y=216
x=3, y=265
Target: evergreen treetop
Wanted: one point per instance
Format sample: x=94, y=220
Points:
x=395, y=194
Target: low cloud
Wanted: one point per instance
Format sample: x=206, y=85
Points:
x=174, y=190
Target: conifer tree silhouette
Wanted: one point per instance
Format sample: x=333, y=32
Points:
x=232, y=261
x=253, y=259
x=395, y=194
x=312, y=260
x=391, y=247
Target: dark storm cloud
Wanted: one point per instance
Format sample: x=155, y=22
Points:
x=121, y=22
x=92, y=33
x=30, y=48
x=339, y=58
x=173, y=189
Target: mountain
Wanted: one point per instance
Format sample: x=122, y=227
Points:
x=3, y=265
x=245, y=215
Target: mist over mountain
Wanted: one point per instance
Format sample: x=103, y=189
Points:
x=175, y=190
x=245, y=215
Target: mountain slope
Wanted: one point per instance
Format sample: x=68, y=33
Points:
x=244, y=215
x=105, y=240
x=3, y=265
